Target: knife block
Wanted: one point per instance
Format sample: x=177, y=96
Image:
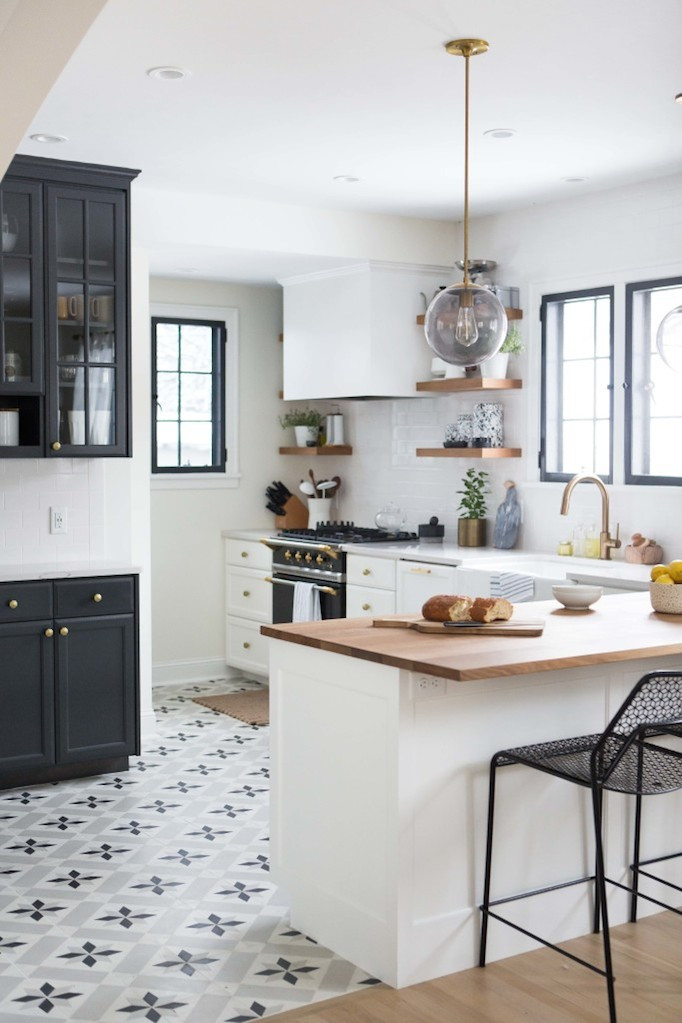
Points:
x=295, y=515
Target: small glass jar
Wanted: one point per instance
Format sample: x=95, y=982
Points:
x=565, y=547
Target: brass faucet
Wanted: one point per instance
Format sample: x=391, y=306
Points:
x=606, y=542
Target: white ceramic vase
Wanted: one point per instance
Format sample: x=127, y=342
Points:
x=496, y=367
x=305, y=436
x=319, y=510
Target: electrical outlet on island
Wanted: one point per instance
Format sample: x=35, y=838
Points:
x=58, y=520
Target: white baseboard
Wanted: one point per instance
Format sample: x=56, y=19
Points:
x=190, y=671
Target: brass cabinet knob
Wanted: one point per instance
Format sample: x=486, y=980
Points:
x=288, y=555
x=247, y=646
x=63, y=631
x=367, y=571
x=245, y=554
x=308, y=557
x=246, y=593
x=97, y=597
x=56, y=446
x=366, y=607
x=319, y=559
x=13, y=604
x=49, y=633
x=298, y=556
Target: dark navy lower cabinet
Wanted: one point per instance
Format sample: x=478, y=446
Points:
x=68, y=683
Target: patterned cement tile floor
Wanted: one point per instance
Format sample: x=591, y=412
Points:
x=146, y=895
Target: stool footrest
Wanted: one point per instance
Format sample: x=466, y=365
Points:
x=541, y=891
x=547, y=944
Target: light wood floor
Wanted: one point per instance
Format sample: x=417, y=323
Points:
x=538, y=987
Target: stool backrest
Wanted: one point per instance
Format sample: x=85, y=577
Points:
x=654, y=706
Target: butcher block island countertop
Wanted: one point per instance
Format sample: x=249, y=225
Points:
x=617, y=628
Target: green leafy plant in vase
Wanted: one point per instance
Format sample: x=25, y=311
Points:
x=471, y=526
x=306, y=423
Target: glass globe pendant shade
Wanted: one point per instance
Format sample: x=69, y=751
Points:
x=465, y=324
x=669, y=339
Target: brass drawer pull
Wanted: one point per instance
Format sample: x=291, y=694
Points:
x=366, y=607
x=246, y=593
x=367, y=571
x=63, y=631
x=56, y=446
x=13, y=604
x=97, y=597
x=245, y=554
x=49, y=633
x=247, y=646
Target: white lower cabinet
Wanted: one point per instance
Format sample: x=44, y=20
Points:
x=248, y=604
x=370, y=589
x=416, y=581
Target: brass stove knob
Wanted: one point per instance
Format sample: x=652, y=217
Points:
x=287, y=555
x=309, y=557
x=319, y=559
x=298, y=556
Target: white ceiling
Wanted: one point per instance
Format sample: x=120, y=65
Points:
x=286, y=94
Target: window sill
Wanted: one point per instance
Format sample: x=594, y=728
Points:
x=195, y=481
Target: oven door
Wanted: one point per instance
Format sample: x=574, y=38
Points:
x=332, y=598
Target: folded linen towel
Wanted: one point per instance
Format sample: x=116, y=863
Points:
x=306, y=603
x=512, y=585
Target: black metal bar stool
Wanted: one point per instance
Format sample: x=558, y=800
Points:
x=621, y=759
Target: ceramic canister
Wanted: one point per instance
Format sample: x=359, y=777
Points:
x=459, y=432
x=489, y=424
x=9, y=427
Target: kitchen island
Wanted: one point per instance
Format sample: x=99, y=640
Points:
x=381, y=740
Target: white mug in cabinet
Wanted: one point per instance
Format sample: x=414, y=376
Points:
x=9, y=427
x=76, y=421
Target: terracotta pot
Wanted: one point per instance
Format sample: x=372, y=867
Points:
x=471, y=532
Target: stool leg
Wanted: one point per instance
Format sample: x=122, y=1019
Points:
x=488, y=863
x=635, y=859
x=599, y=796
x=601, y=895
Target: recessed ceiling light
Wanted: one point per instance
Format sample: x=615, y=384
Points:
x=500, y=133
x=41, y=136
x=575, y=180
x=348, y=179
x=168, y=73
x=678, y=98
x=186, y=270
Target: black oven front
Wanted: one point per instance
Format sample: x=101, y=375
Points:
x=321, y=565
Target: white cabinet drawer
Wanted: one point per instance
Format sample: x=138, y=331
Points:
x=375, y=572
x=248, y=554
x=417, y=581
x=247, y=594
x=366, y=602
x=245, y=647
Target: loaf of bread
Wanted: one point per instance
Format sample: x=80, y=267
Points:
x=437, y=609
x=460, y=610
x=491, y=609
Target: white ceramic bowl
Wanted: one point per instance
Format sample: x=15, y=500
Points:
x=666, y=599
x=577, y=598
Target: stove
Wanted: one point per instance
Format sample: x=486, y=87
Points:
x=347, y=532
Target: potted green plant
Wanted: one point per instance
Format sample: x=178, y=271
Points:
x=471, y=526
x=495, y=368
x=306, y=423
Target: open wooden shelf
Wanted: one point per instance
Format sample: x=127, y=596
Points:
x=451, y=386
x=326, y=449
x=512, y=314
x=468, y=452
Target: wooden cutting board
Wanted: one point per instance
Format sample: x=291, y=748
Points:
x=519, y=627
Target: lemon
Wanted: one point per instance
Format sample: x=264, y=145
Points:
x=658, y=570
x=675, y=571
x=665, y=579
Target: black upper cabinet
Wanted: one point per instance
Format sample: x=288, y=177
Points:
x=64, y=292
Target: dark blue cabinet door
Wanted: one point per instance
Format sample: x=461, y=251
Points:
x=26, y=696
x=96, y=697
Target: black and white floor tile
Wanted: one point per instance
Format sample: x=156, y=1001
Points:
x=146, y=895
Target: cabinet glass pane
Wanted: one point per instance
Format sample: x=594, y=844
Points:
x=102, y=346
x=70, y=262
x=72, y=404
x=17, y=364
x=101, y=241
x=16, y=279
x=101, y=306
x=101, y=393
x=16, y=223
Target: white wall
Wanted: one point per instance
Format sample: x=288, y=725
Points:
x=186, y=522
x=627, y=234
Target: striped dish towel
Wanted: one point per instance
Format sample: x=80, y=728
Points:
x=512, y=585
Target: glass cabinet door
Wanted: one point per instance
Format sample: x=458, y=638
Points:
x=21, y=294
x=87, y=406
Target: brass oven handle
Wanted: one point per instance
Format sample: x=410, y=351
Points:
x=322, y=589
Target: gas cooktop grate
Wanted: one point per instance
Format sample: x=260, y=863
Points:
x=347, y=532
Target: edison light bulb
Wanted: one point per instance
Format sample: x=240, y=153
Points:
x=466, y=330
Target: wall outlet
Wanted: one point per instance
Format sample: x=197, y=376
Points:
x=428, y=685
x=57, y=520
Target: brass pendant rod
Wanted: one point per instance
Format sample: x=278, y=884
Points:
x=466, y=169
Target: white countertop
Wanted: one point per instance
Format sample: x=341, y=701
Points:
x=70, y=569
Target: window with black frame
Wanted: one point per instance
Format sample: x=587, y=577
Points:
x=188, y=399
x=653, y=376
x=577, y=384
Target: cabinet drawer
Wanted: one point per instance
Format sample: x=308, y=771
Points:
x=246, y=648
x=377, y=572
x=104, y=595
x=248, y=554
x=248, y=595
x=365, y=602
x=22, y=602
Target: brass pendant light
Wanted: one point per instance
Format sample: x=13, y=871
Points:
x=465, y=324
